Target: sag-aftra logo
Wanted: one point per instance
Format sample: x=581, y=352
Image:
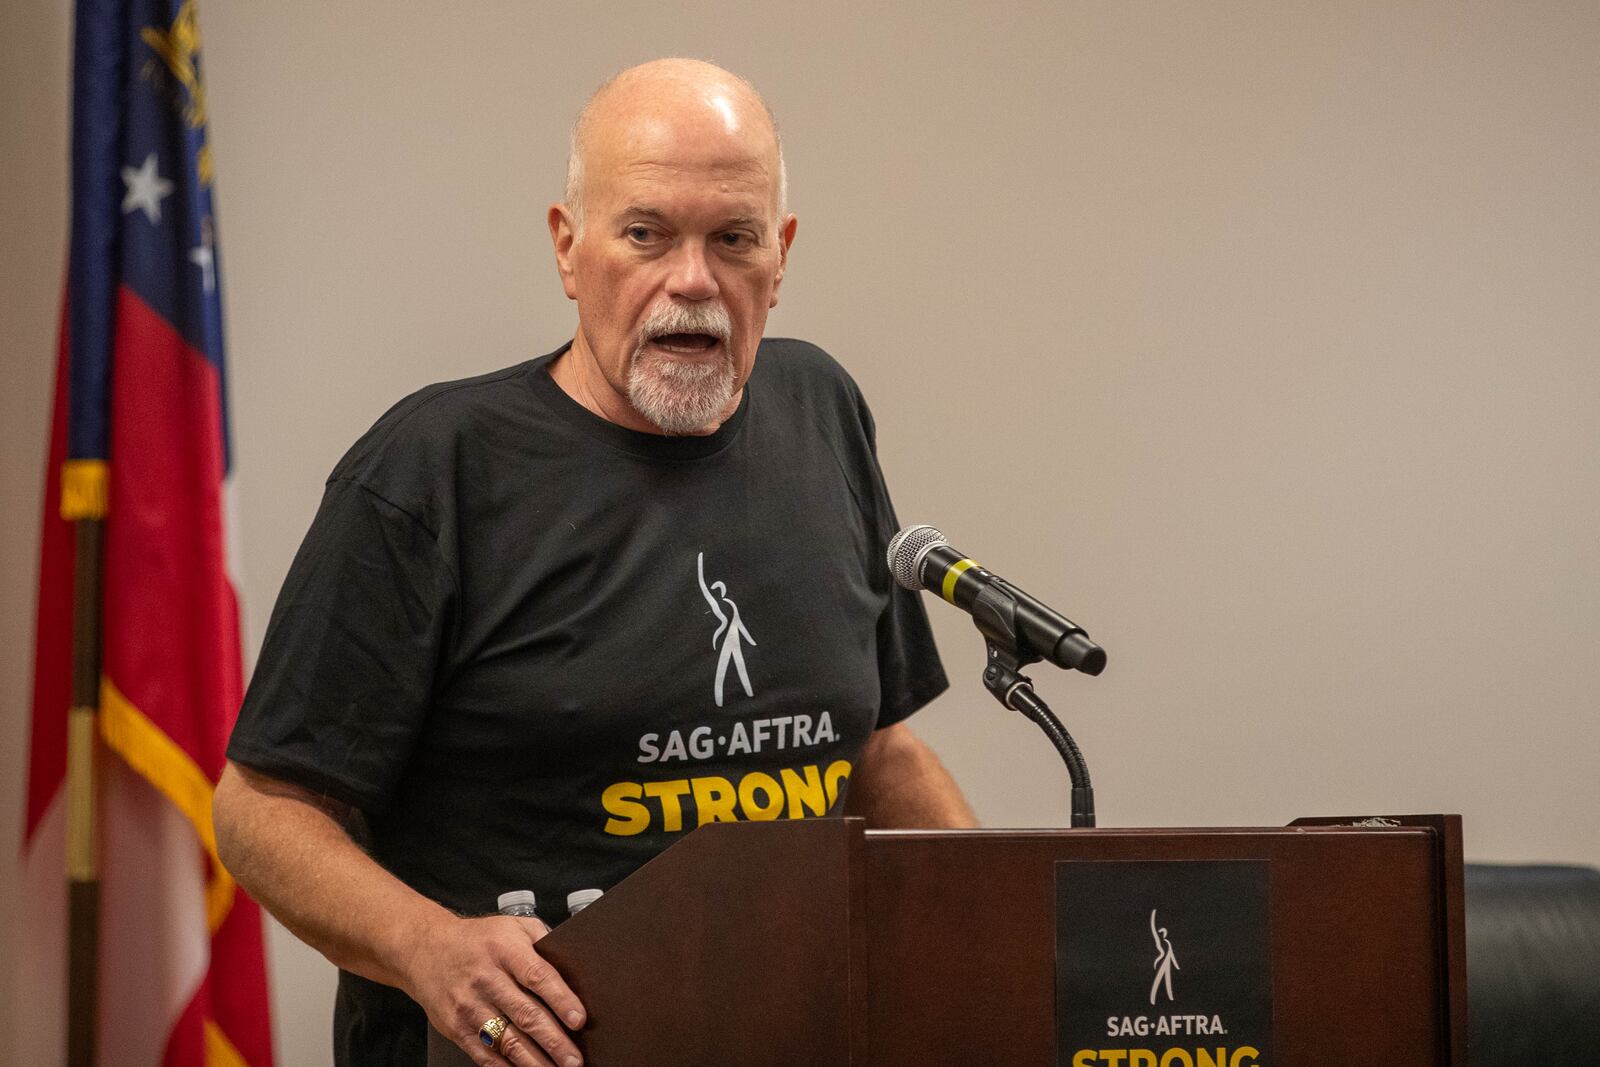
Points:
x=1172, y=1025
x=808, y=787
x=1123, y=999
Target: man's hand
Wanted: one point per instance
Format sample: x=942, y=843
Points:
x=288, y=847
x=466, y=971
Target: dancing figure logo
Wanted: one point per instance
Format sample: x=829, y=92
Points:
x=730, y=632
x=1166, y=961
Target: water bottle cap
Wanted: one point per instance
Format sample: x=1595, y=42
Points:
x=582, y=898
x=516, y=897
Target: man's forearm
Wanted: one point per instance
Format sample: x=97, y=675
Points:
x=899, y=783
x=290, y=850
x=293, y=855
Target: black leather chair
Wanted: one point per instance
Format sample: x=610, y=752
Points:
x=1533, y=965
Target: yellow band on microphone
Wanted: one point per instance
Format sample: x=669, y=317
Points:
x=950, y=576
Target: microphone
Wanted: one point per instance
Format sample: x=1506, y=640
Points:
x=921, y=558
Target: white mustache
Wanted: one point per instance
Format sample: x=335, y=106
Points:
x=710, y=319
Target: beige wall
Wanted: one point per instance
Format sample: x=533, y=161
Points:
x=1260, y=338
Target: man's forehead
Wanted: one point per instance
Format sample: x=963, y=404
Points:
x=657, y=155
x=676, y=194
x=700, y=133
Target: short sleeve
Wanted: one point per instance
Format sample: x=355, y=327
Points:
x=349, y=664
x=909, y=669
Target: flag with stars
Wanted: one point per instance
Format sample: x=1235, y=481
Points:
x=139, y=440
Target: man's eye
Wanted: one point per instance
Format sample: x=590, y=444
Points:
x=640, y=234
x=737, y=240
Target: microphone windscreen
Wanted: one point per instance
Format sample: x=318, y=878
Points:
x=906, y=549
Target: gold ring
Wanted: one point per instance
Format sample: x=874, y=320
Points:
x=489, y=1033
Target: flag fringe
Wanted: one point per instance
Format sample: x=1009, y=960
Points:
x=83, y=489
x=146, y=748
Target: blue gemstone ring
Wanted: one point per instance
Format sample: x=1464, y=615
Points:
x=489, y=1033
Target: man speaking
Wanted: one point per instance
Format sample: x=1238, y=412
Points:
x=548, y=620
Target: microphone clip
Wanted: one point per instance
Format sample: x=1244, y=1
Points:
x=994, y=612
x=1003, y=672
x=1003, y=677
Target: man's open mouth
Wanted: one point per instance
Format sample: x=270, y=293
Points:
x=687, y=343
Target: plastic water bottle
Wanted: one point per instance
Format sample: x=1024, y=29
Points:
x=520, y=902
x=579, y=899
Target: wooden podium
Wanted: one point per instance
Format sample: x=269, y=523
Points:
x=820, y=943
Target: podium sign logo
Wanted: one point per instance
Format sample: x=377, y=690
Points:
x=1166, y=959
x=1125, y=998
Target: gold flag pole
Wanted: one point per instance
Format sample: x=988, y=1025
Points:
x=83, y=502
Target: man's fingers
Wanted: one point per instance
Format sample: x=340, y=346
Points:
x=536, y=1025
x=535, y=974
x=536, y=927
x=476, y=1050
x=516, y=1047
x=513, y=1047
x=498, y=972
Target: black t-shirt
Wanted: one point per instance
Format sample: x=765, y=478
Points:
x=535, y=648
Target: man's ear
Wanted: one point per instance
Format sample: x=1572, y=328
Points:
x=563, y=235
x=785, y=239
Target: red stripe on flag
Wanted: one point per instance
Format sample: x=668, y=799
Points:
x=237, y=983
x=171, y=619
x=171, y=622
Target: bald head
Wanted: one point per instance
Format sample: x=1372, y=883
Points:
x=687, y=102
x=677, y=174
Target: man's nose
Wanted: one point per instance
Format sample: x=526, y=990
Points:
x=690, y=276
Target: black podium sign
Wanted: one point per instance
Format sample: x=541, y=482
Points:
x=1163, y=964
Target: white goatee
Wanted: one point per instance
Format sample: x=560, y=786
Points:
x=677, y=396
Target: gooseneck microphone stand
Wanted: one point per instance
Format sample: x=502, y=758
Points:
x=995, y=614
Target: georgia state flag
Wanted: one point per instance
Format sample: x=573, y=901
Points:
x=139, y=447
